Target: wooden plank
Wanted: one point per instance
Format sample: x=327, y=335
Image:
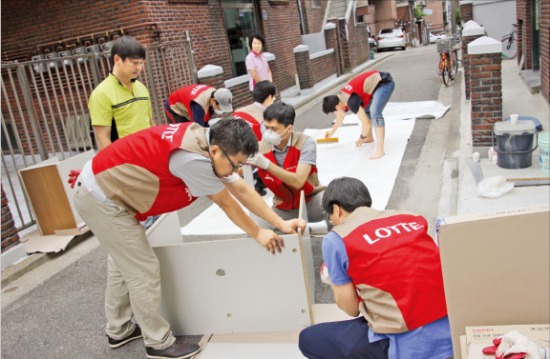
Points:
x=48, y=199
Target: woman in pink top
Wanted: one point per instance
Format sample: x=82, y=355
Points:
x=256, y=63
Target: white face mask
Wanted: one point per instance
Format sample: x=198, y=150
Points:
x=272, y=137
x=218, y=112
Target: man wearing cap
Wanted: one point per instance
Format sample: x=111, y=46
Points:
x=197, y=103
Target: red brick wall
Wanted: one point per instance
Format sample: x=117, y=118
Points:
x=466, y=12
x=545, y=49
x=9, y=233
x=358, y=44
x=523, y=13
x=486, y=96
x=313, y=17
x=282, y=33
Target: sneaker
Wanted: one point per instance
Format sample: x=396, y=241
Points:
x=178, y=350
x=117, y=343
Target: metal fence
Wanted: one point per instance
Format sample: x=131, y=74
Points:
x=45, y=113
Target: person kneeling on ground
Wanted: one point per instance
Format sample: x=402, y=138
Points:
x=383, y=266
x=287, y=165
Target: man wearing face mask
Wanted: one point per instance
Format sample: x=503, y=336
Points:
x=263, y=96
x=287, y=165
x=154, y=171
x=197, y=103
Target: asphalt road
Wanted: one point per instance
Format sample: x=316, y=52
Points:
x=57, y=310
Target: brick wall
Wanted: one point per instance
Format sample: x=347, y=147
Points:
x=486, y=96
x=545, y=49
x=312, y=71
x=9, y=232
x=466, y=62
x=282, y=33
x=358, y=44
x=466, y=11
x=313, y=16
x=523, y=13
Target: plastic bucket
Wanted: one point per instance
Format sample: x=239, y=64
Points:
x=514, y=144
x=544, y=156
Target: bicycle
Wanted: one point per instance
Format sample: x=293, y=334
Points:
x=448, y=60
x=509, y=44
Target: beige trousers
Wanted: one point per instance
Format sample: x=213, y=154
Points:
x=133, y=271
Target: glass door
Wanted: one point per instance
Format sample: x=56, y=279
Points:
x=241, y=21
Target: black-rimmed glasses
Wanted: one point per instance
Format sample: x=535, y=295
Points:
x=233, y=165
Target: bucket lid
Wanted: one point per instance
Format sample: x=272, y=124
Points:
x=519, y=128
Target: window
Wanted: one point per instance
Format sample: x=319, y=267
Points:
x=316, y=4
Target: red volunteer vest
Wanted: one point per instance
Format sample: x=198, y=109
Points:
x=357, y=85
x=134, y=171
x=190, y=93
x=286, y=197
x=254, y=124
x=396, y=268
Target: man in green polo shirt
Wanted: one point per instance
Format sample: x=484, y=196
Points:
x=120, y=105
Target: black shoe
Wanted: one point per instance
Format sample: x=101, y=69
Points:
x=178, y=350
x=117, y=343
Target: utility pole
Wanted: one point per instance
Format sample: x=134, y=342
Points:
x=412, y=21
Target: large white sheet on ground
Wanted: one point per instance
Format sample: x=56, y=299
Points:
x=334, y=160
x=408, y=110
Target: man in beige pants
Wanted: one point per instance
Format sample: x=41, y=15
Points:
x=154, y=171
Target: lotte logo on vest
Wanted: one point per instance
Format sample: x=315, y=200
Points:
x=395, y=230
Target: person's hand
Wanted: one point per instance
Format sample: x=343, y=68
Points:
x=328, y=134
x=292, y=225
x=270, y=240
x=73, y=175
x=258, y=160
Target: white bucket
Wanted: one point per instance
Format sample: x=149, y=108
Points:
x=544, y=157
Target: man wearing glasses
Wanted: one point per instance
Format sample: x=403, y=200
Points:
x=197, y=103
x=155, y=171
x=287, y=165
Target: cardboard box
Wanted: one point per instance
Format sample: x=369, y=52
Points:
x=496, y=268
x=481, y=337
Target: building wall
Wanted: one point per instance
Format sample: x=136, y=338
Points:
x=545, y=49
x=436, y=18
x=313, y=16
x=282, y=32
x=496, y=17
x=524, y=25
x=386, y=14
x=23, y=36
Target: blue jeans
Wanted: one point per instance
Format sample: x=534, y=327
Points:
x=379, y=100
x=341, y=340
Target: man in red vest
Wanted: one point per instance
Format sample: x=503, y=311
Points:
x=287, y=165
x=365, y=95
x=197, y=103
x=263, y=96
x=154, y=171
x=385, y=269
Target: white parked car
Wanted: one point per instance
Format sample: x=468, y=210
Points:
x=434, y=37
x=391, y=38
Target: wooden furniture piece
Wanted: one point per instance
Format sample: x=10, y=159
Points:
x=50, y=195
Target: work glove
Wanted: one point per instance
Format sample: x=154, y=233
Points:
x=259, y=161
x=324, y=274
x=73, y=175
x=513, y=345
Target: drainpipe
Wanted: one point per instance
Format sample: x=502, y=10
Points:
x=301, y=16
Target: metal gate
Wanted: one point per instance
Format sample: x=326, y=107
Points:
x=45, y=107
